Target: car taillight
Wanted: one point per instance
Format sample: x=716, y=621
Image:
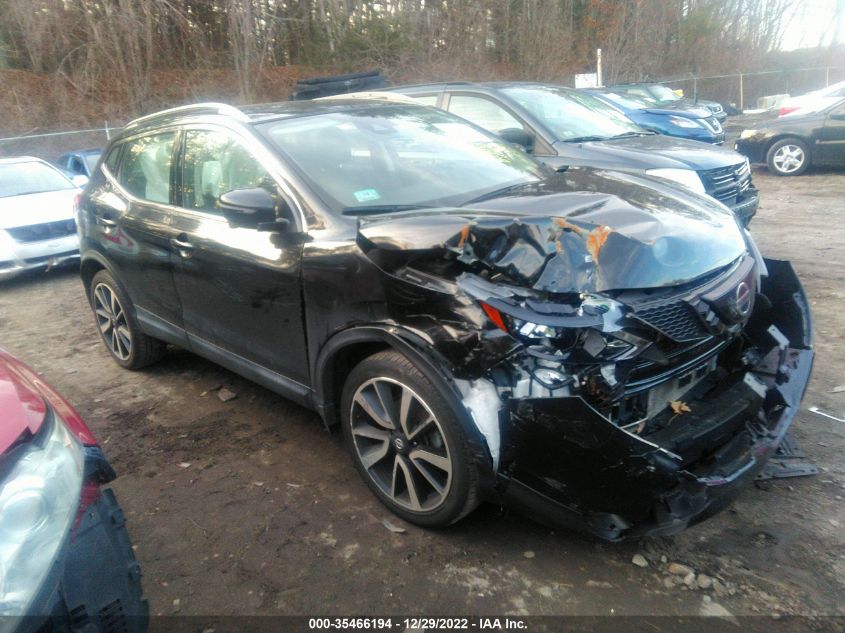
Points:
x=786, y=110
x=77, y=200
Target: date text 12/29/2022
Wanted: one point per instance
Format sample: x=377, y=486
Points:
x=417, y=624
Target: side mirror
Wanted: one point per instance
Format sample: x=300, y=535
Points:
x=80, y=180
x=253, y=208
x=518, y=137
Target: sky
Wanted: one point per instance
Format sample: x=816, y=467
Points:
x=815, y=22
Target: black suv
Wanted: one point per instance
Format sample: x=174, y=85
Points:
x=565, y=127
x=608, y=350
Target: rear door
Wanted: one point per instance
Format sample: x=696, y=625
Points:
x=131, y=224
x=240, y=288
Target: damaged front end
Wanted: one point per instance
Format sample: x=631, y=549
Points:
x=609, y=404
x=675, y=411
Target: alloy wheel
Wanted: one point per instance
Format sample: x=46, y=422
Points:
x=401, y=444
x=111, y=319
x=789, y=158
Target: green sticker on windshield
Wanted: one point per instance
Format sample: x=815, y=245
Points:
x=366, y=195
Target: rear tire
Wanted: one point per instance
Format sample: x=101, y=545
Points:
x=407, y=443
x=788, y=157
x=119, y=330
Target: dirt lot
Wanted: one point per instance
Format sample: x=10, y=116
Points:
x=250, y=507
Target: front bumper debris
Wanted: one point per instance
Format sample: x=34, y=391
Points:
x=564, y=461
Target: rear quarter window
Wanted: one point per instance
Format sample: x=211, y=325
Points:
x=113, y=157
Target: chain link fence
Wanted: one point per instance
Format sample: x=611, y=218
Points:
x=51, y=145
x=744, y=91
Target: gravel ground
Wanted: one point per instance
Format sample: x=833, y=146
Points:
x=250, y=507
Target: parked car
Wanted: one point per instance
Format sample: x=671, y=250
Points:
x=66, y=559
x=605, y=349
x=789, y=145
x=80, y=163
x=37, y=229
x=694, y=123
x=660, y=95
x=813, y=101
x=561, y=126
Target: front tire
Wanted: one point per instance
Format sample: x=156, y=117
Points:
x=119, y=329
x=788, y=157
x=407, y=443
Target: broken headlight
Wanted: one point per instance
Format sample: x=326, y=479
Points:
x=605, y=347
x=589, y=336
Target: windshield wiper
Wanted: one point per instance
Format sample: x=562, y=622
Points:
x=632, y=134
x=585, y=139
x=497, y=193
x=384, y=208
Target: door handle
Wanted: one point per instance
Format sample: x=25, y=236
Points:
x=182, y=245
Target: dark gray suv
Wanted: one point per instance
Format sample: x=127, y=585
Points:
x=605, y=349
x=565, y=127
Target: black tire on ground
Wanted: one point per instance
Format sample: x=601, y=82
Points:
x=443, y=495
x=126, y=343
x=788, y=157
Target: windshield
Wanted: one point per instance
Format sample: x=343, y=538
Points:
x=393, y=157
x=629, y=101
x=663, y=94
x=573, y=115
x=20, y=179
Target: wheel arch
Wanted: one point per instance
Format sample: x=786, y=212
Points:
x=91, y=264
x=785, y=135
x=346, y=349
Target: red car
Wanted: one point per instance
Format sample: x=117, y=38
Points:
x=66, y=562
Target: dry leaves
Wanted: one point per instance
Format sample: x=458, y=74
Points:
x=679, y=407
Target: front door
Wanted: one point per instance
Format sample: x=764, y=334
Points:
x=240, y=288
x=830, y=146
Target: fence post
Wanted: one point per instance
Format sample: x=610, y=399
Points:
x=741, y=95
x=108, y=134
x=695, y=88
x=826, y=76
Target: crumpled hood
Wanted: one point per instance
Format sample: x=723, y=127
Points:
x=582, y=231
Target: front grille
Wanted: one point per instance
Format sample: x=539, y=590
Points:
x=41, y=232
x=712, y=124
x=727, y=184
x=674, y=318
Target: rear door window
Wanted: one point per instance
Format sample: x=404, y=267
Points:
x=483, y=112
x=145, y=172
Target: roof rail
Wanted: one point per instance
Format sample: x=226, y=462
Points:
x=196, y=108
